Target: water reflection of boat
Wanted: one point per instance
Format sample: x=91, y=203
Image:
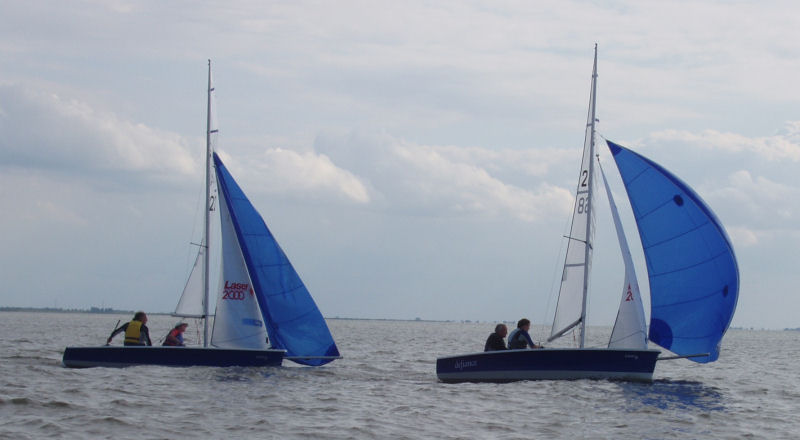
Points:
x=673, y=394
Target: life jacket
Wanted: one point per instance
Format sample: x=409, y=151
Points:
x=175, y=334
x=517, y=340
x=133, y=333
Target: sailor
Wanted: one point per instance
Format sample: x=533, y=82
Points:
x=495, y=340
x=519, y=337
x=175, y=336
x=136, y=332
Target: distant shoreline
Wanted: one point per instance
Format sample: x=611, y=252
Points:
x=105, y=310
x=111, y=311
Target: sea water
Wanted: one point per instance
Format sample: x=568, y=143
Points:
x=384, y=387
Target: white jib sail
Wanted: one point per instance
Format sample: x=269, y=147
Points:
x=237, y=322
x=630, y=329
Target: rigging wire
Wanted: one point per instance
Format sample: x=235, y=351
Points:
x=558, y=265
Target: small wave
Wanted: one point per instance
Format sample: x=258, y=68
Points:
x=57, y=404
x=26, y=401
x=21, y=401
x=113, y=421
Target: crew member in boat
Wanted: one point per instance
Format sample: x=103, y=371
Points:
x=495, y=341
x=136, y=332
x=519, y=337
x=175, y=336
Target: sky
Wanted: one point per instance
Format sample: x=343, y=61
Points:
x=414, y=159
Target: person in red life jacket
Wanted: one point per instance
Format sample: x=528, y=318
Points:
x=136, y=332
x=175, y=336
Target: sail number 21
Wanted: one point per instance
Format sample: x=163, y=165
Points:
x=583, y=202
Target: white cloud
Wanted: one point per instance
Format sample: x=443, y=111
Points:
x=45, y=130
x=447, y=180
x=305, y=174
x=767, y=200
x=743, y=236
x=782, y=146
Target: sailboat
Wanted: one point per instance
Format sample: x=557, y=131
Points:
x=264, y=312
x=692, y=273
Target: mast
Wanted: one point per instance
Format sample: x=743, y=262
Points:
x=207, y=218
x=590, y=204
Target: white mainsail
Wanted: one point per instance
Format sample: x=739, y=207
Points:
x=630, y=329
x=571, y=308
x=194, y=298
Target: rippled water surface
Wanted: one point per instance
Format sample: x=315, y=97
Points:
x=385, y=387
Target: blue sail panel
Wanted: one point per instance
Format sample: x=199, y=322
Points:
x=692, y=269
x=293, y=321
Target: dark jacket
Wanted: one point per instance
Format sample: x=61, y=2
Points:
x=494, y=342
x=518, y=339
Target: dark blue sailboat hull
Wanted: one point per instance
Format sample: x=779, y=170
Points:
x=117, y=356
x=548, y=364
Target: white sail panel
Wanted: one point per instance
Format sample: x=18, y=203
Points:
x=191, y=303
x=630, y=329
x=570, y=310
x=238, y=322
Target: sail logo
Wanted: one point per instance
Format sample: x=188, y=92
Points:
x=461, y=364
x=235, y=291
x=629, y=296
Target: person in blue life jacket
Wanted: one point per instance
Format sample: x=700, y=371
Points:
x=136, y=332
x=495, y=341
x=175, y=336
x=519, y=337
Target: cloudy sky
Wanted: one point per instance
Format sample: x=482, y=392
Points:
x=414, y=159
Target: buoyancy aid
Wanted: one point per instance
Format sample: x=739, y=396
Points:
x=517, y=340
x=175, y=333
x=133, y=333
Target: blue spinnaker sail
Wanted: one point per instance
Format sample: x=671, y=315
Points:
x=694, y=277
x=293, y=321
